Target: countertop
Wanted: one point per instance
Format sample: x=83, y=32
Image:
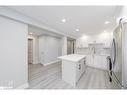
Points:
x=73, y=57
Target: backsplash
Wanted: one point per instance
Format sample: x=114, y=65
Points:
x=87, y=51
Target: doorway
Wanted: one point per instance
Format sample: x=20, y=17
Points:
x=30, y=51
x=70, y=47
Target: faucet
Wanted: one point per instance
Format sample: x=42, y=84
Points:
x=94, y=50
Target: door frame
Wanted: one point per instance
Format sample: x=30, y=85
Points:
x=32, y=50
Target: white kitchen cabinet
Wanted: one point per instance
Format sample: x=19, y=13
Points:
x=104, y=38
x=80, y=67
x=78, y=71
x=100, y=62
x=72, y=68
x=81, y=43
x=89, y=60
x=97, y=61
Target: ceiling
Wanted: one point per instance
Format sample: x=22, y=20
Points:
x=39, y=32
x=88, y=19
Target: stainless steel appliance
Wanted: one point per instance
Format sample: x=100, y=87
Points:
x=116, y=57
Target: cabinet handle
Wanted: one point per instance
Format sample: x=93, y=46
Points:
x=79, y=66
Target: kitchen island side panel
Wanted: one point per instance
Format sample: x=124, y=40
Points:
x=69, y=72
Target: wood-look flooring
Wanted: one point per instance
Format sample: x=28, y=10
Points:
x=49, y=77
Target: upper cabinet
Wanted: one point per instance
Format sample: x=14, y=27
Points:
x=80, y=43
x=102, y=38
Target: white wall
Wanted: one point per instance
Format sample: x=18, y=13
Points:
x=35, y=48
x=64, y=45
x=49, y=49
x=121, y=13
x=13, y=53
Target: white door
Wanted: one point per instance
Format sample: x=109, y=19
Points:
x=30, y=50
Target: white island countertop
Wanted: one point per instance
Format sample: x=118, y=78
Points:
x=72, y=57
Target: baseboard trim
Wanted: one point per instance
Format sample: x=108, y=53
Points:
x=26, y=85
x=36, y=62
x=51, y=62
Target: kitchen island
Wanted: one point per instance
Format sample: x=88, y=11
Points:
x=73, y=66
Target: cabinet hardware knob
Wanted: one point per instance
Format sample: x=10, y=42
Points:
x=79, y=66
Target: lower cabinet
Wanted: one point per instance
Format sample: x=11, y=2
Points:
x=72, y=71
x=97, y=61
x=100, y=62
x=80, y=68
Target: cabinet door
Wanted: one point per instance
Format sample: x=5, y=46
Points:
x=83, y=65
x=104, y=62
x=80, y=43
x=100, y=62
x=97, y=61
x=89, y=60
x=78, y=71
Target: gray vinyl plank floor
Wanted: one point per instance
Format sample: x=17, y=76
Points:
x=49, y=77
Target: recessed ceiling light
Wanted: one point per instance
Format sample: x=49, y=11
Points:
x=107, y=22
x=63, y=20
x=77, y=30
x=30, y=33
x=84, y=37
